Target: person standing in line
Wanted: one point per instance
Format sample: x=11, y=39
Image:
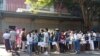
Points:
x=23, y=38
x=18, y=39
x=98, y=41
x=87, y=44
x=62, y=42
x=67, y=40
x=91, y=41
x=35, y=41
x=13, y=36
x=40, y=43
x=56, y=40
x=93, y=37
x=77, y=37
x=83, y=42
x=6, y=37
x=29, y=43
x=46, y=40
x=51, y=40
x=71, y=35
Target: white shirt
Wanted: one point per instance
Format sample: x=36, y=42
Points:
x=46, y=36
x=29, y=39
x=71, y=36
x=79, y=35
x=6, y=35
x=13, y=35
x=94, y=34
x=75, y=36
x=83, y=41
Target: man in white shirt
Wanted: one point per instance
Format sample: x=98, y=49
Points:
x=77, y=42
x=6, y=37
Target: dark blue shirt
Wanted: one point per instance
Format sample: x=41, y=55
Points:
x=57, y=36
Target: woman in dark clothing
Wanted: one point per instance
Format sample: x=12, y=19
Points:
x=23, y=38
x=62, y=42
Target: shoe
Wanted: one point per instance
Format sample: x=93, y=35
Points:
x=46, y=53
x=56, y=52
x=23, y=51
x=77, y=52
x=9, y=51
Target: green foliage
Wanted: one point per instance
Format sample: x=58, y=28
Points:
x=39, y=4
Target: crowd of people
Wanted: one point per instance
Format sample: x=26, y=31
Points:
x=45, y=41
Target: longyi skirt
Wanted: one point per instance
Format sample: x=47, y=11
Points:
x=7, y=44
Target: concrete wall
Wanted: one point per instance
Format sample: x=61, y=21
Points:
x=18, y=22
x=52, y=24
x=30, y=24
x=65, y=25
x=40, y=23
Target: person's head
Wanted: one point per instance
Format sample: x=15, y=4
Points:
x=72, y=32
x=42, y=30
x=7, y=31
x=23, y=29
x=80, y=31
x=12, y=29
x=32, y=31
x=92, y=31
x=35, y=31
x=46, y=29
x=57, y=30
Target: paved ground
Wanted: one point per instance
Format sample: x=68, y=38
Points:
x=3, y=51
x=87, y=53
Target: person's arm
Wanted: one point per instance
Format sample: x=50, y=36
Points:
x=3, y=38
x=21, y=34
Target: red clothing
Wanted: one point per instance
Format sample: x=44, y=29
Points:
x=62, y=38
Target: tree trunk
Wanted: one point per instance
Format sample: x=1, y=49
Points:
x=85, y=15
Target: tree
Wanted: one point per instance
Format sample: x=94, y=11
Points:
x=38, y=4
x=88, y=8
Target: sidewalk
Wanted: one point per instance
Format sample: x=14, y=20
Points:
x=3, y=51
x=86, y=53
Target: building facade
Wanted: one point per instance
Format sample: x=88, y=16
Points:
x=11, y=5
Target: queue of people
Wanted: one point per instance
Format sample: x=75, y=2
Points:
x=45, y=42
